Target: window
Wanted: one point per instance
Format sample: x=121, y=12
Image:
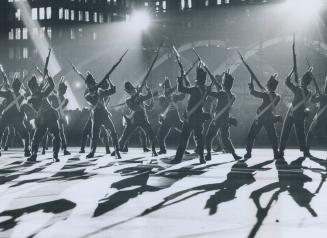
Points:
x=49, y=12
x=146, y=4
x=25, y=53
x=95, y=17
x=206, y=3
x=66, y=14
x=72, y=34
x=87, y=16
x=25, y=35
x=94, y=35
x=18, y=34
x=189, y=3
x=182, y=4
x=100, y=17
x=49, y=32
x=41, y=13
x=11, y=53
x=61, y=13
x=11, y=34
x=227, y=1
x=18, y=15
x=218, y=2
x=34, y=13
x=164, y=5
x=72, y=15
x=18, y=53
x=80, y=15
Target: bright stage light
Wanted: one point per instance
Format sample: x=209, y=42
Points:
x=139, y=20
x=305, y=9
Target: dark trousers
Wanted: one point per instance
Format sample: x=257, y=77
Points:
x=188, y=127
x=87, y=131
x=62, y=137
x=166, y=126
x=17, y=122
x=221, y=125
x=100, y=118
x=139, y=121
x=47, y=121
x=298, y=122
x=142, y=138
x=315, y=126
x=256, y=128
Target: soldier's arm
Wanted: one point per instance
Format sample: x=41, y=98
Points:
x=49, y=88
x=181, y=88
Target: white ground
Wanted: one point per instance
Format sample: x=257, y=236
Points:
x=140, y=196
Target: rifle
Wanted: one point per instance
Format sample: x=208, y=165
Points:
x=178, y=57
x=45, y=71
x=115, y=65
x=5, y=77
x=77, y=71
x=296, y=75
x=253, y=76
x=212, y=77
x=149, y=71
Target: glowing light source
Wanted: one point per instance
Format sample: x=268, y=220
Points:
x=140, y=20
x=305, y=9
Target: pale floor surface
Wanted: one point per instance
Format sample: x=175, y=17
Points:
x=140, y=196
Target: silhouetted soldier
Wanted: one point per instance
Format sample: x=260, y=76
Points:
x=87, y=132
x=46, y=116
x=320, y=120
x=169, y=118
x=265, y=116
x=59, y=102
x=138, y=118
x=221, y=120
x=297, y=113
x=12, y=115
x=95, y=95
x=194, y=116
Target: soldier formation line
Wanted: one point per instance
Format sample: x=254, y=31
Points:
x=44, y=104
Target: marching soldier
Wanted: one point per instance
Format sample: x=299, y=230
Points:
x=46, y=116
x=170, y=117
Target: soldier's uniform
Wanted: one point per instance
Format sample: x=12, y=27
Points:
x=138, y=118
x=59, y=102
x=222, y=122
x=297, y=114
x=96, y=96
x=195, y=117
x=265, y=117
x=46, y=116
x=13, y=116
x=320, y=120
x=170, y=118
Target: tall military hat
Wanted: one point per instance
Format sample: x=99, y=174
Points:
x=273, y=82
x=62, y=88
x=90, y=80
x=307, y=77
x=32, y=83
x=228, y=81
x=16, y=84
x=129, y=88
x=201, y=74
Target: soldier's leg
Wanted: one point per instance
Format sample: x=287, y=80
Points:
x=104, y=137
x=143, y=139
x=2, y=129
x=128, y=130
x=286, y=130
x=23, y=133
x=211, y=133
x=54, y=129
x=200, y=142
x=96, y=124
x=109, y=125
x=254, y=130
x=300, y=134
x=5, y=138
x=183, y=140
x=162, y=135
x=311, y=133
x=225, y=136
x=63, y=138
x=86, y=132
x=37, y=137
x=272, y=135
x=44, y=142
x=145, y=125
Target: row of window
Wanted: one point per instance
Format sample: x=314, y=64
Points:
x=18, y=53
x=22, y=33
x=86, y=16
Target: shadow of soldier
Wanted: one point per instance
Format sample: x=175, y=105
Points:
x=291, y=179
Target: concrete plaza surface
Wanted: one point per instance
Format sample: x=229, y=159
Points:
x=142, y=196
